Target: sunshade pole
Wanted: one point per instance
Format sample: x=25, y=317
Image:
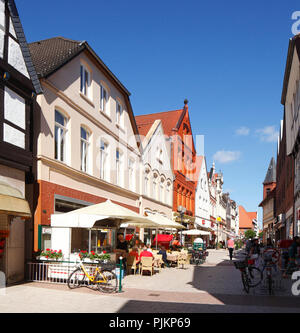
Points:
x=156, y=237
x=90, y=239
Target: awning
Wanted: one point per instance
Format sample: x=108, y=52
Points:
x=163, y=238
x=12, y=202
x=104, y=215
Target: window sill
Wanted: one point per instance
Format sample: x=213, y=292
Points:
x=86, y=99
x=105, y=115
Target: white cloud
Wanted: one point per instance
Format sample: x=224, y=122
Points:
x=268, y=134
x=224, y=156
x=243, y=131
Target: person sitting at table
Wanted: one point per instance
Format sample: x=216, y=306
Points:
x=176, y=244
x=134, y=253
x=146, y=253
x=149, y=248
x=163, y=252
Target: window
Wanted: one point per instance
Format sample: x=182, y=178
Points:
x=131, y=174
x=161, y=192
x=154, y=188
x=168, y=194
x=119, y=164
x=85, y=81
x=103, y=160
x=84, y=147
x=60, y=136
x=103, y=99
x=119, y=114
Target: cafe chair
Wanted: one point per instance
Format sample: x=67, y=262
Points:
x=181, y=260
x=131, y=264
x=146, y=265
x=159, y=261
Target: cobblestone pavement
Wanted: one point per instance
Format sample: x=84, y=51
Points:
x=212, y=287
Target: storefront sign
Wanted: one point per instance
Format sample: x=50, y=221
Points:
x=46, y=231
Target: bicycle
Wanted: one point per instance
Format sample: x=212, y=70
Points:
x=251, y=275
x=105, y=279
x=271, y=258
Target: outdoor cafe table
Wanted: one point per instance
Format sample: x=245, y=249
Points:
x=172, y=257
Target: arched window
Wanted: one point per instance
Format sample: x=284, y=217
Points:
x=60, y=136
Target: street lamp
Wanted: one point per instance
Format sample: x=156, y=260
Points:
x=181, y=211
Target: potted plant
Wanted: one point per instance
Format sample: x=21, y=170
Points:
x=51, y=254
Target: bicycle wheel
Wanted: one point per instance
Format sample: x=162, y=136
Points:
x=245, y=282
x=76, y=278
x=255, y=276
x=111, y=282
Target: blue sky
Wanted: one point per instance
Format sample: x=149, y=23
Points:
x=226, y=57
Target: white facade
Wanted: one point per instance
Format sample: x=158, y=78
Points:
x=202, y=197
x=156, y=176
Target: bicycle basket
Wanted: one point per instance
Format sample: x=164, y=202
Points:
x=240, y=264
x=109, y=265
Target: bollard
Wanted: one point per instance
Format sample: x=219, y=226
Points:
x=120, y=274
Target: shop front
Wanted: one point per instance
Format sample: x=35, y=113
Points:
x=14, y=210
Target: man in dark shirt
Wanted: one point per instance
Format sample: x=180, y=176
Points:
x=122, y=249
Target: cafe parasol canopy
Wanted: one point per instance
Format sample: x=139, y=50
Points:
x=194, y=232
x=157, y=221
x=103, y=215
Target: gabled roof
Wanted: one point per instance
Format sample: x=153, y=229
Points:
x=51, y=54
x=271, y=173
x=169, y=121
x=23, y=45
x=245, y=219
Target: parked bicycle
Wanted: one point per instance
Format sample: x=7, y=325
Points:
x=251, y=275
x=271, y=257
x=105, y=279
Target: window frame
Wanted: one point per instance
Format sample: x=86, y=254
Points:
x=104, y=107
x=57, y=146
x=87, y=149
x=86, y=90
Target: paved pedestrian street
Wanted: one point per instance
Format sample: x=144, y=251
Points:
x=212, y=287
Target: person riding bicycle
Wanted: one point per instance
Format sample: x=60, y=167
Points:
x=293, y=252
x=255, y=251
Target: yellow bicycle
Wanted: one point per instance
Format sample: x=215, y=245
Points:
x=105, y=279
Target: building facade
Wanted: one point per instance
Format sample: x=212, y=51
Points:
x=290, y=99
x=87, y=138
x=284, y=189
x=156, y=174
x=177, y=128
x=202, y=199
x=18, y=86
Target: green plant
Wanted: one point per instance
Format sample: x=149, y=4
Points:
x=250, y=234
x=94, y=256
x=51, y=254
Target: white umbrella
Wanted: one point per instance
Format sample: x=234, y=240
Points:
x=195, y=232
x=105, y=214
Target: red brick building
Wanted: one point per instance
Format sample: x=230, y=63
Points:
x=178, y=131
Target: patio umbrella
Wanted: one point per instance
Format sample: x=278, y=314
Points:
x=195, y=232
x=103, y=215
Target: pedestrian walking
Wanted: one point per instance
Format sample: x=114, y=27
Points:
x=230, y=246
